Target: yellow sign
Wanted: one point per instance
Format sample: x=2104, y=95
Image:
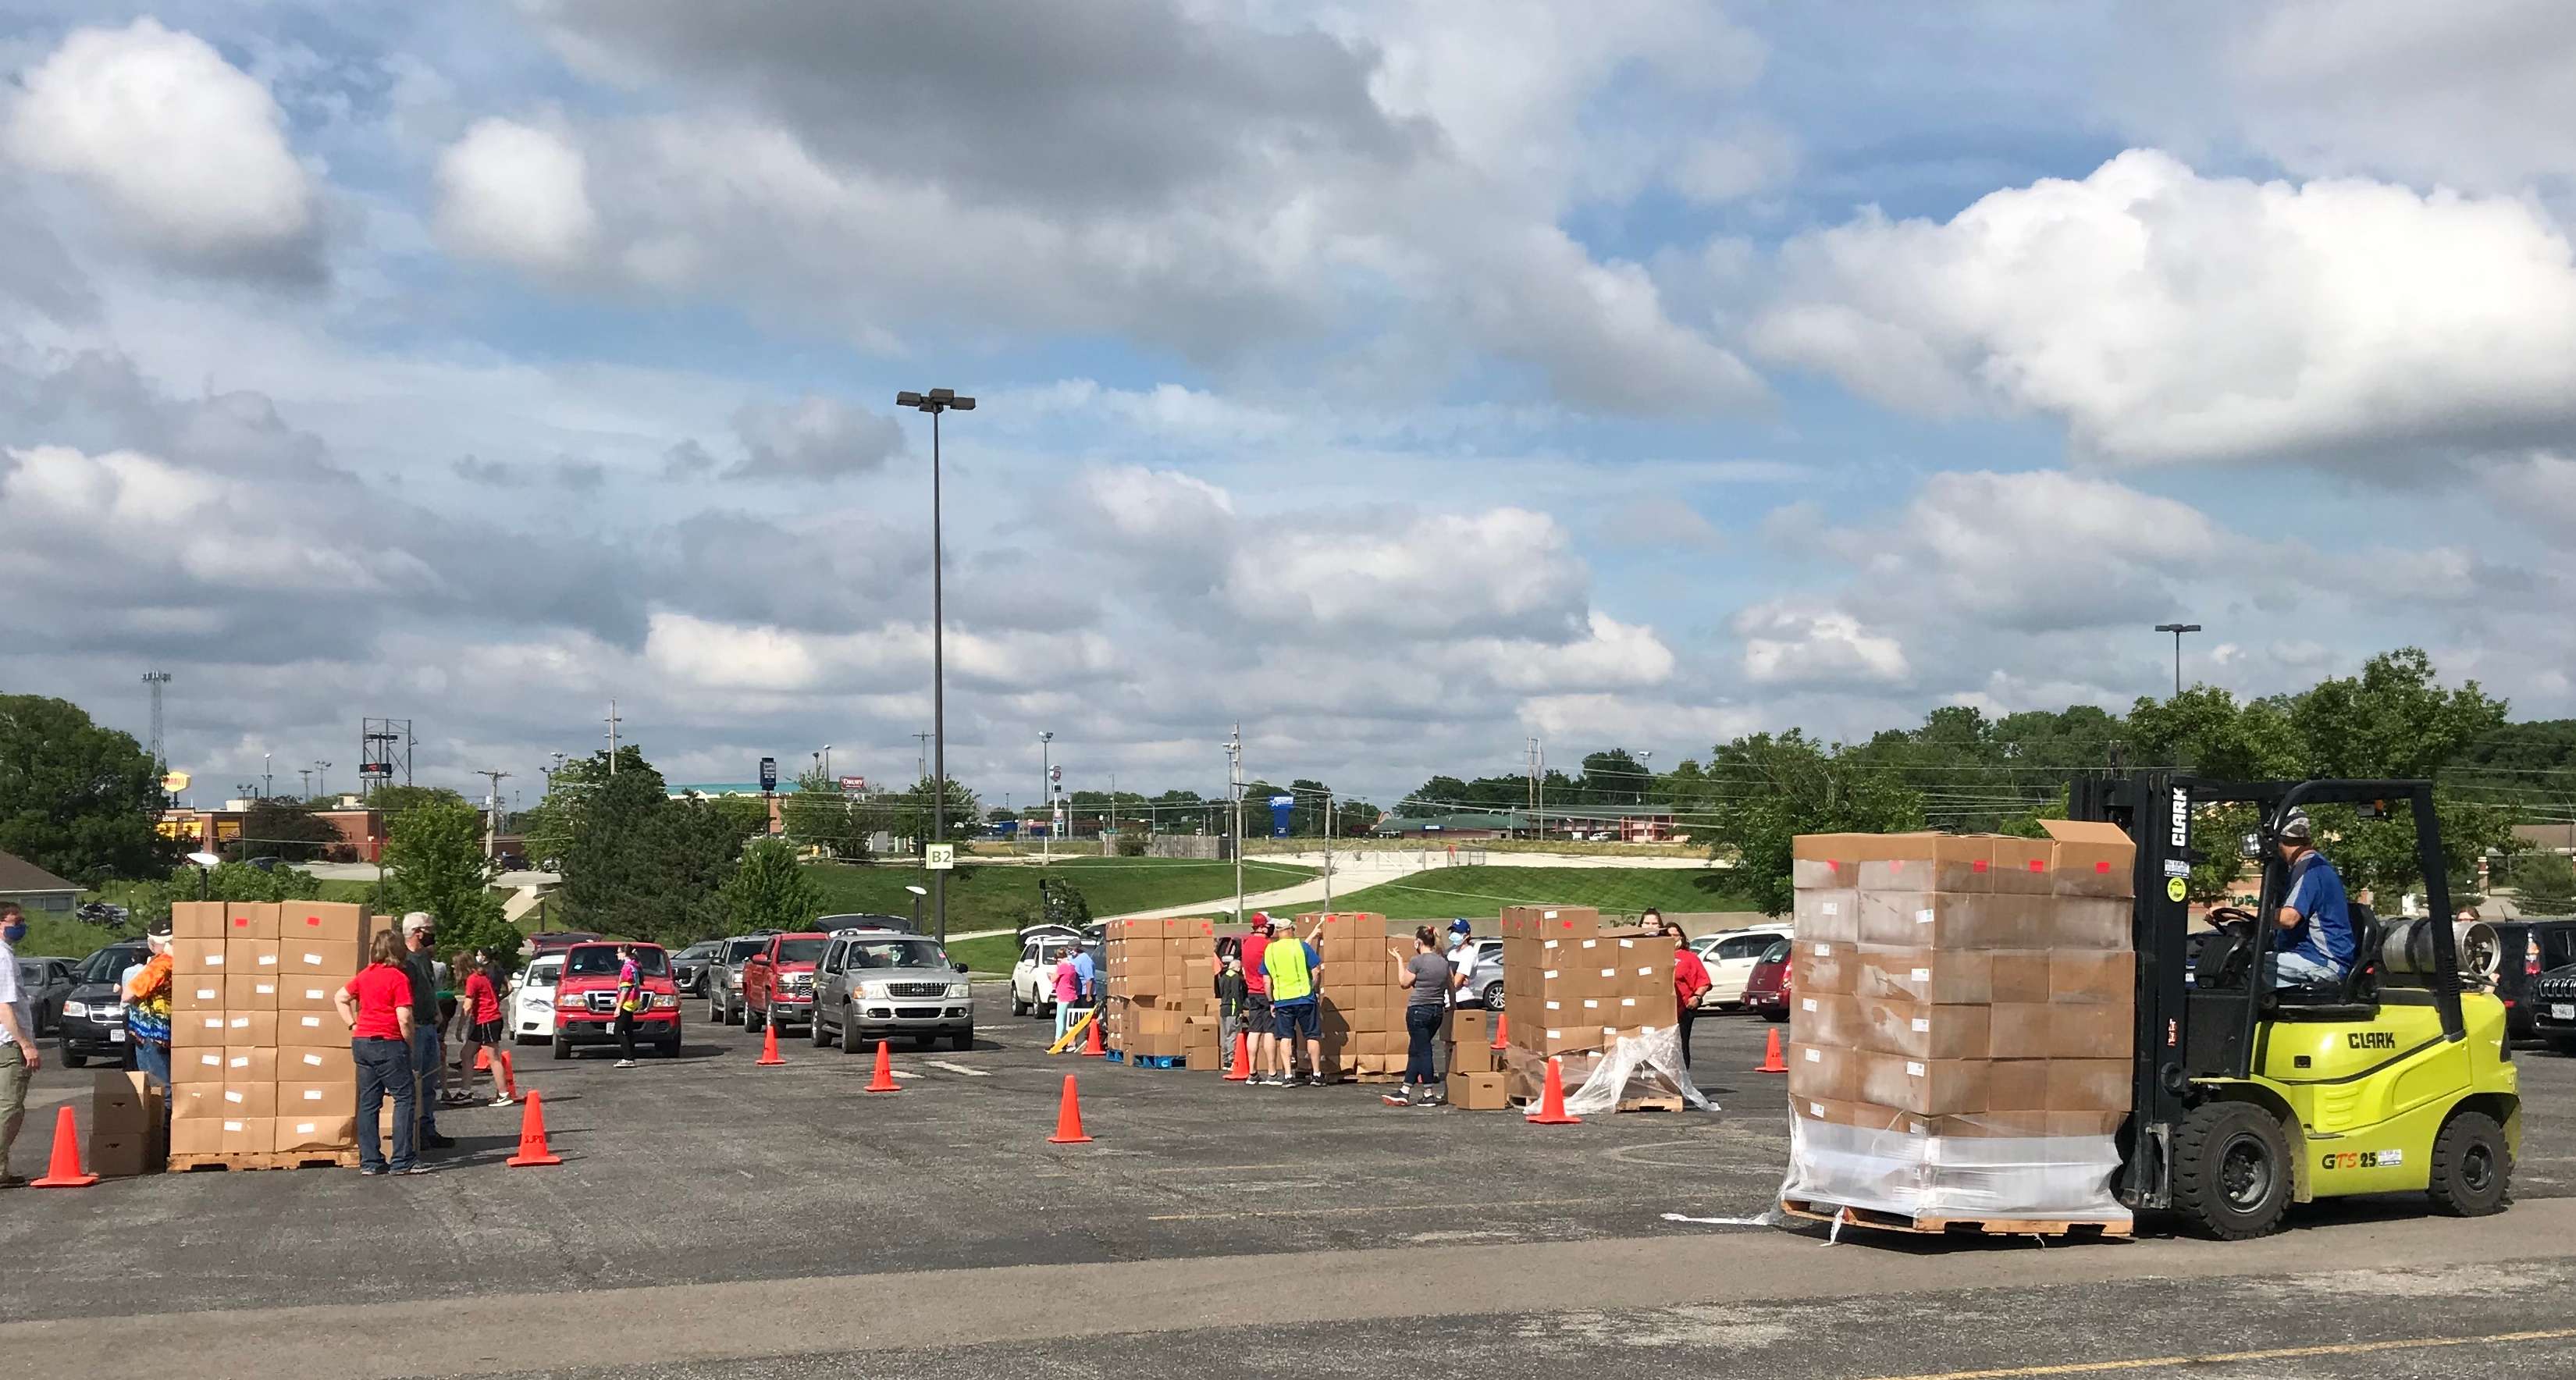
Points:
x=939, y=857
x=2174, y=888
x=175, y=781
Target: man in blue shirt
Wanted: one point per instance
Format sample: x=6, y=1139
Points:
x=2316, y=939
x=1088, y=973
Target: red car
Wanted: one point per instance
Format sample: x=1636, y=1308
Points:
x=778, y=981
x=586, y=999
x=1766, y=988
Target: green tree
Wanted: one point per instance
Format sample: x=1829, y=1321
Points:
x=150, y=902
x=549, y=824
x=913, y=811
x=1612, y=777
x=78, y=800
x=819, y=815
x=608, y=865
x=434, y=863
x=284, y=829
x=392, y=801
x=769, y=890
x=1763, y=791
x=693, y=853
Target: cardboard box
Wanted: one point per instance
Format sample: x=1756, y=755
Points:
x=197, y=1064
x=125, y=1154
x=2017, y=1085
x=1953, y=921
x=296, y=993
x=249, y=1099
x=250, y=1028
x=1471, y=1025
x=2020, y=867
x=197, y=919
x=1832, y=969
x=1551, y=922
x=317, y=1064
x=305, y=1029
x=336, y=922
x=1925, y=862
x=1473, y=1056
x=197, y=1030
x=2088, y=1085
x=1860, y=1114
x=294, y=1134
x=251, y=992
x=196, y=1102
x=2093, y=977
x=2091, y=1032
x=250, y=1063
x=1913, y=1030
x=2021, y=976
x=2092, y=858
x=120, y=1101
x=1934, y=978
x=2091, y=922
x=192, y=993
x=328, y=959
x=1929, y=1087
x=1821, y=1018
x=243, y=957
x=1826, y=1074
x=253, y=1135
x=1477, y=1091
x=195, y=957
x=329, y=1098
x=250, y=920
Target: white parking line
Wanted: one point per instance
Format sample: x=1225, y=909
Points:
x=958, y=1068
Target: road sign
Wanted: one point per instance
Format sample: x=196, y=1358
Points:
x=768, y=774
x=939, y=857
x=855, y=785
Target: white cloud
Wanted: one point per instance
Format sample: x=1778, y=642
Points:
x=1611, y=653
x=1791, y=643
x=1501, y=570
x=2166, y=316
x=189, y=150
x=814, y=437
x=2039, y=550
x=1737, y=164
x=518, y=194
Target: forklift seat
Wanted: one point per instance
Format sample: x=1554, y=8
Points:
x=2353, y=997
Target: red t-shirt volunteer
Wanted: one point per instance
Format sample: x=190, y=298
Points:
x=487, y=1002
x=1256, y=979
x=1690, y=978
x=380, y=989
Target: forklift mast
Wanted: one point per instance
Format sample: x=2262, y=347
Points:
x=2186, y=1034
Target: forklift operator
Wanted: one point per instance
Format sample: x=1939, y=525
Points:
x=2316, y=942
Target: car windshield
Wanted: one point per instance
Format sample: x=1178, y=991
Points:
x=741, y=949
x=109, y=965
x=696, y=951
x=1776, y=953
x=897, y=953
x=599, y=960
x=801, y=950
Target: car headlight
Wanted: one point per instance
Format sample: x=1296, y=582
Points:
x=570, y=1001
x=75, y=1008
x=666, y=1001
x=873, y=991
x=960, y=989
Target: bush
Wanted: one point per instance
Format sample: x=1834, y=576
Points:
x=1131, y=845
x=2545, y=885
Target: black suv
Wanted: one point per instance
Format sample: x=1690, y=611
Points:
x=93, y=1024
x=2551, y=999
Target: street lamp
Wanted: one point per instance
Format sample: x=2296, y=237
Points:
x=206, y=863
x=917, y=894
x=1046, y=792
x=934, y=402
x=2177, y=629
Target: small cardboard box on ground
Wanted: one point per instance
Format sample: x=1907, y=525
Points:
x=127, y=1126
x=1964, y=1019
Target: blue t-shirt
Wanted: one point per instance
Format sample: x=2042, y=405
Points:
x=1084, y=972
x=2324, y=931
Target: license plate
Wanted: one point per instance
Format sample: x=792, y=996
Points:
x=116, y=1034
x=2562, y=1011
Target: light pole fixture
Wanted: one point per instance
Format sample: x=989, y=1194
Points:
x=934, y=402
x=1046, y=793
x=2177, y=629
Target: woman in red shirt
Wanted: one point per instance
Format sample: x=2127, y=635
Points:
x=482, y=1005
x=1690, y=979
x=377, y=1006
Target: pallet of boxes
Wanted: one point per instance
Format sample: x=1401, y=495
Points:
x=1573, y=988
x=1961, y=1030
x=260, y=1071
x=1360, y=1008
x=1159, y=1003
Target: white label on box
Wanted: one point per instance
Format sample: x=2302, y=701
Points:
x=212, y=1061
x=1829, y=908
x=312, y=1094
x=1555, y=1034
x=214, y=960
x=1824, y=951
x=1923, y=917
x=1815, y=1109
x=310, y=1022
x=1627, y=1001
x=1808, y=1003
x=314, y=1059
x=306, y=1128
x=1552, y=1006
x=231, y=1096
x=268, y=960
x=310, y=960
x=240, y=1061
x=1591, y=1003
x=1547, y=915
x=232, y=1126
x=210, y=994
x=265, y=989
x=1548, y=944
x=317, y=994
x=1912, y=1069
x=1922, y=975
x=214, y=1023
x=1547, y=974
x=1590, y=942
x=1922, y=1024
x=1814, y=1058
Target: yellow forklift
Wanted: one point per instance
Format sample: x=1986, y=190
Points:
x=2250, y=1098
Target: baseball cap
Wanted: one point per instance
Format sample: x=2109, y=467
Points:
x=1460, y=926
x=2295, y=827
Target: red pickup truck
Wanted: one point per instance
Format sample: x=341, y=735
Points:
x=778, y=981
x=586, y=999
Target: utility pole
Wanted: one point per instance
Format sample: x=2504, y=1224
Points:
x=267, y=779
x=304, y=783
x=160, y=759
x=1328, y=852
x=1537, y=751
x=1234, y=789
x=921, y=756
x=321, y=778
x=492, y=811
x=611, y=721
x=1046, y=793
x=2177, y=629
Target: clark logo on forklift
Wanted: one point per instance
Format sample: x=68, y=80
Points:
x=2372, y=1039
x=2365, y=1159
x=2179, y=836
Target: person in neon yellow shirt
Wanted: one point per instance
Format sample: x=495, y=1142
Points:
x=1294, y=968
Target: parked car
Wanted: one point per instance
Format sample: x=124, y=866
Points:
x=2529, y=948
x=1485, y=984
x=92, y=1022
x=510, y=862
x=43, y=983
x=556, y=941
x=864, y=920
x=877, y=984
x=586, y=999
x=1766, y=988
x=724, y=975
x=2552, y=999
x=531, y=1004
x=1730, y=956
x=778, y=981
x=1033, y=975
x=689, y=967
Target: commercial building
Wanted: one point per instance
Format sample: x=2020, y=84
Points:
x=361, y=831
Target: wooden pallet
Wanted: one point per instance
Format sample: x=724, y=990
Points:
x=276, y=1159
x=1666, y=1103
x=1960, y=1226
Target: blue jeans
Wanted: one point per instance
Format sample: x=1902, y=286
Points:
x=1421, y=1027
x=2295, y=969
x=425, y=1062
x=383, y=1066
x=153, y=1059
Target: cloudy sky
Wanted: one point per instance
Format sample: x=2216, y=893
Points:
x=1401, y=380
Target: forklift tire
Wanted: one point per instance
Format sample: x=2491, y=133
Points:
x=2472, y=1167
x=2231, y=1171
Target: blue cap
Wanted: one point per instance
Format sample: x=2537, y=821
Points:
x=1460, y=926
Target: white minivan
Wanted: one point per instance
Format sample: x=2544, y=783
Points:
x=1729, y=956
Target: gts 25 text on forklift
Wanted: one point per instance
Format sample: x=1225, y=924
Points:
x=2250, y=1097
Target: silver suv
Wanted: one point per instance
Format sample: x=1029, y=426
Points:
x=877, y=984
x=723, y=979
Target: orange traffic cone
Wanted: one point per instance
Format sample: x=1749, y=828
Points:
x=65, y=1171
x=1068, y=1118
x=1551, y=1101
x=769, y=1049
x=1092, y=1048
x=1502, y=1024
x=884, y=1081
x=509, y=1077
x=1242, y=1070
x=482, y=1058
x=1771, y=1060
x=532, y=1136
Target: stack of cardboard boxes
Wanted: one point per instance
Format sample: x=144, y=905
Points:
x=259, y=1060
x=1962, y=1021
x=127, y=1126
x=1361, y=1009
x=1476, y=1081
x=1160, y=988
x=1572, y=988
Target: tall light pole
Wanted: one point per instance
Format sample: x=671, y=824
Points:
x=2177, y=629
x=321, y=778
x=934, y=402
x=1046, y=792
x=827, y=764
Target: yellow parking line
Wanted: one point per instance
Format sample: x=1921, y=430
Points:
x=2285, y=1353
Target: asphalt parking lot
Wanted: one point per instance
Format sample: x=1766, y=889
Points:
x=715, y=1197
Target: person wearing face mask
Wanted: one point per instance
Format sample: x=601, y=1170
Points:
x=18, y=1057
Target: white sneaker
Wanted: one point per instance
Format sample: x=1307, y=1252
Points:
x=502, y=1102
x=624, y=1064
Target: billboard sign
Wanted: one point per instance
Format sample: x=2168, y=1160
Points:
x=1280, y=805
x=855, y=785
x=768, y=774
